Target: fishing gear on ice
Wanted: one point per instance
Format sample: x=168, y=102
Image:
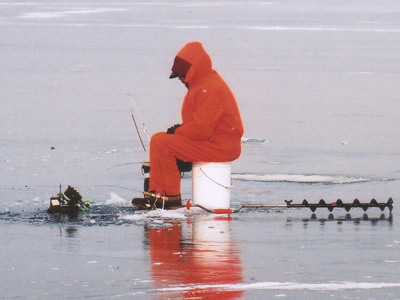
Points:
x=68, y=202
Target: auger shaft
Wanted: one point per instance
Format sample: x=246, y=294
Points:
x=313, y=206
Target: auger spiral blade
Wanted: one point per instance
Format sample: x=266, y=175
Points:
x=340, y=204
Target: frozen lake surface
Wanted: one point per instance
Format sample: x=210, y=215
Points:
x=318, y=87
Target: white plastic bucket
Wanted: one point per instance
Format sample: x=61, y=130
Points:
x=211, y=184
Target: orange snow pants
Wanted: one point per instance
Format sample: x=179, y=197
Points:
x=166, y=148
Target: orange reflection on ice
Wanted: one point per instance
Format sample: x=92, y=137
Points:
x=195, y=254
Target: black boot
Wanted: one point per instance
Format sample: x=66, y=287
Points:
x=169, y=202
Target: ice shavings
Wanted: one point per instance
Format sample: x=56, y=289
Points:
x=116, y=200
x=156, y=215
x=334, y=179
x=36, y=199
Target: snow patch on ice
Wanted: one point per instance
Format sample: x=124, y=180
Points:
x=92, y=262
x=318, y=29
x=134, y=217
x=246, y=140
x=221, y=4
x=329, y=286
x=60, y=14
x=298, y=178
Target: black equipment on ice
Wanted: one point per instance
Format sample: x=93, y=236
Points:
x=68, y=202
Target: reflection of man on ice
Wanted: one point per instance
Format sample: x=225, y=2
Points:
x=199, y=261
x=210, y=131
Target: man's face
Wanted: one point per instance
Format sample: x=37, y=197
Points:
x=180, y=77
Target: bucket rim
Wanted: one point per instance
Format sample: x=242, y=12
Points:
x=212, y=164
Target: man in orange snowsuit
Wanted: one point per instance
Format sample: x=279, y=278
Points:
x=210, y=131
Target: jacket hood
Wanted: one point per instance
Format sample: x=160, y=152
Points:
x=192, y=61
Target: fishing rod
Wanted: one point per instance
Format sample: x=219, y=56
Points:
x=144, y=128
x=137, y=130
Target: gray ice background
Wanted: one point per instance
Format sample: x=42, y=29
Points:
x=318, y=87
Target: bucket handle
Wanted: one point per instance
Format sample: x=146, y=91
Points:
x=216, y=182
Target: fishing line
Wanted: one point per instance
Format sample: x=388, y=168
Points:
x=124, y=164
x=116, y=186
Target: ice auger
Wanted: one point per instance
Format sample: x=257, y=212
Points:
x=347, y=206
x=305, y=204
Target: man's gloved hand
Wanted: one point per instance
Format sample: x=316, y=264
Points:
x=172, y=129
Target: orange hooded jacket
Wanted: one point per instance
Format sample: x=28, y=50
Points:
x=211, y=128
x=209, y=111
